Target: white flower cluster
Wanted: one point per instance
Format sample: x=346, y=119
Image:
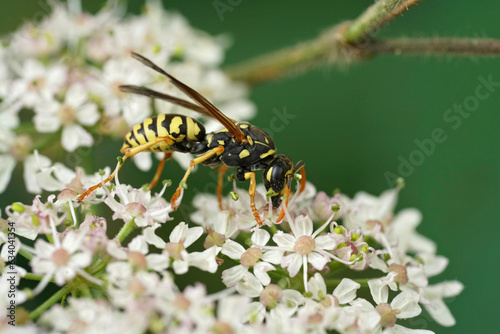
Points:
x=334, y=264
x=134, y=281
x=59, y=83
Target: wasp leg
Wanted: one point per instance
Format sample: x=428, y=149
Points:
x=285, y=205
x=251, y=192
x=303, y=179
x=129, y=153
x=220, y=182
x=155, y=179
x=205, y=156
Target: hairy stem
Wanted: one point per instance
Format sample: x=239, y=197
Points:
x=49, y=302
x=334, y=46
x=374, y=17
x=434, y=46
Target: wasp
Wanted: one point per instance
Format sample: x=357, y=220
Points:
x=239, y=144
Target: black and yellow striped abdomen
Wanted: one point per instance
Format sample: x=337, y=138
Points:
x=182, y=130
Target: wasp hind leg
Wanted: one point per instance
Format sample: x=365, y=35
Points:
x=220, y=183
x=129, y=153
x=205, y=156
x=155, y=179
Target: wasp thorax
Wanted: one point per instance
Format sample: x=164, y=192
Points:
x=304, y=245
x=66, y=114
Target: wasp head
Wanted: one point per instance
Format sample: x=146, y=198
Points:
x=278, y=176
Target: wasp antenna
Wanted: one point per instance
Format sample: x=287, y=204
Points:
x=298, y=166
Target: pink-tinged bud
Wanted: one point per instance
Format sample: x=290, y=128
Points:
x=135, y=209
x=76, y=184
x=304, y=245
x=137, y=261
x=136, y=288
x=315, y=319
x=21, y=147
x=66, y=194
x=372, y=224
x=250, y=257
x=214, y=239
x=182, y=303
x=174, y=249
x=270, y=296
x=402, y=274
x=66, y=114
x=388, y=315
x=221, y=327
x=61, y=257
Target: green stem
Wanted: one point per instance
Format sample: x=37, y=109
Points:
x=122, y=234
x=126, y=230
x=49, y=302
x=483, y=47
x=374, y=17
x=34, y=277
x=27, y=255
x=334, y=46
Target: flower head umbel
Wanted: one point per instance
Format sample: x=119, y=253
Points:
x=123, y=259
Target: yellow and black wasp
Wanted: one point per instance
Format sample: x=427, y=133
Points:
x=240, y=145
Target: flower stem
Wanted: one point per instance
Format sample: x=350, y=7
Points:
x=374, y=17
x=435, y=46
x=49, y=302
x=126, y=230
x=331, y=47
x=27, y=255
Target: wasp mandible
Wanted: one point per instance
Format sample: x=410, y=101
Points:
x=240, y=144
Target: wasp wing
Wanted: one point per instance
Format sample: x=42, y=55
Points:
x=197, y=97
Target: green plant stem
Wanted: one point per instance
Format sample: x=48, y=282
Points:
x=434, y=46
x=27, y=255
x=351, y=42
x=49, y=302
x=331, y=47
x=126, y=230
x=374, y=17
x=34, y=277
x=122, y=234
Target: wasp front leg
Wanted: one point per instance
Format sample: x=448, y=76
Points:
x=205, y=156
x=251, y=192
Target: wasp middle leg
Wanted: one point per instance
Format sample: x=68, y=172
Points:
x=205, y=156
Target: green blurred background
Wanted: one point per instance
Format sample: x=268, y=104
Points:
x=352, y=125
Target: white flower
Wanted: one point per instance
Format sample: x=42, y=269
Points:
x=436, y=306
x=138, y=204
x=74, y=112
x=304, y=246
x=37, y=84
x=254, y=258
x=62, y=262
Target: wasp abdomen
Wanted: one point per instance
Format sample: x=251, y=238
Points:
x=182, y=130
